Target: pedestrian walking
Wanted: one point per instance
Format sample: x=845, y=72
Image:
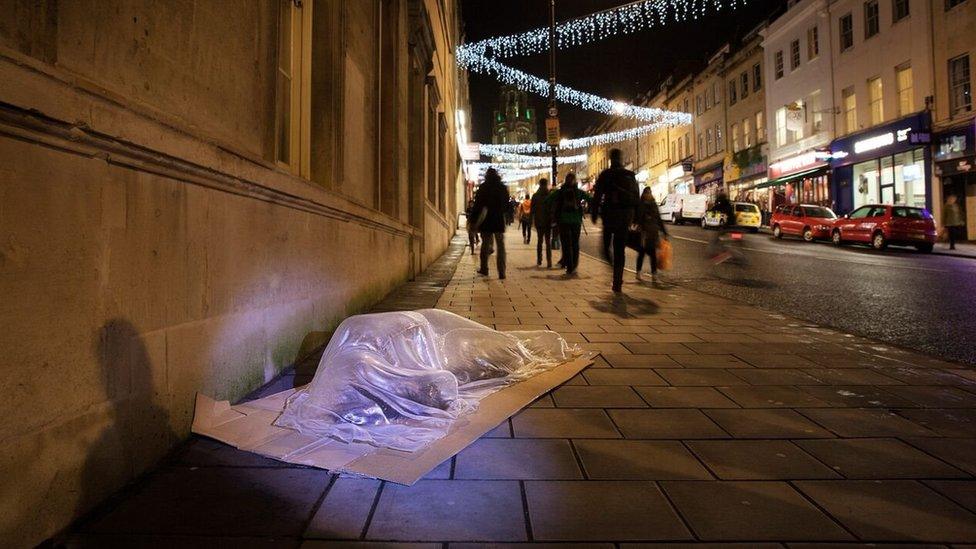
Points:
x=469, y=214
x=525, y=219
x=952, y=220
x=490, y=204
x=510, y=211
x=568, y=211
x=652, y=228
x=542, y=222
x=615, y=200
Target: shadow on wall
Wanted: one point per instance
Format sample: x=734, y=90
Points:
x=137, y=432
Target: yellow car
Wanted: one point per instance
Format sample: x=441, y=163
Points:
x=747, y=216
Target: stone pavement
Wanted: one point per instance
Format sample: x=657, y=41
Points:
x=702, y=421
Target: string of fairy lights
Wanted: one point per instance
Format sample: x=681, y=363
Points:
x=484, y=56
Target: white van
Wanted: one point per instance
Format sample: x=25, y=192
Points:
x=678, y=208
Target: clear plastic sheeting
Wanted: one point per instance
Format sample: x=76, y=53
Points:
x=400, y=380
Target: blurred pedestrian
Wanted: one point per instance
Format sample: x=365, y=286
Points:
x=652, y=228
x=615, y=200
x=568, y=209
x=525, y=218
x=542, y=222
x=492, y=199
x=510, y=211
x=469, y=214
x=952, y=220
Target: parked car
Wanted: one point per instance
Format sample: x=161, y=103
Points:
x=747, y=216
x=678, y=208
x=880, y=225
x=712, y=218
x=807, y=221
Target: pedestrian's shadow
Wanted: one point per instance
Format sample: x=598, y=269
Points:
x=625, y=306
x=136, y=432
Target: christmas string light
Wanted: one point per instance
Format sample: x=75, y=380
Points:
x=523, y=161
x=488, y=149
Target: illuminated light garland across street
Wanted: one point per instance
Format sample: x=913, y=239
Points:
x=487, y=149
x=530, y=162
x=625, y=19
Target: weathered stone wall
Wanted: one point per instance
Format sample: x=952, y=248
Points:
x=150, y=248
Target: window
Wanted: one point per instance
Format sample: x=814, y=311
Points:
x=735, y=137
x=816, y=112
x=794, y=55
x=687, y=145
x=686, y=105
x=846, y=25
x=744, y=84
x=813, y=43
x=756, y=77
x=732, y=92
x=899, y=10
x=709, y=143
x=288, y=87
x=719, y=143
x=760, y=128
x=778, y=64
x=746, y=134
x=875, y=101
x=674, y=150
x=781, y=126
x=850, y=110
x=701, y=144
x=698, y=104
x=870, y=18
x=949, y=4
x=960, y=88
x=903, y=79
x=716, y=93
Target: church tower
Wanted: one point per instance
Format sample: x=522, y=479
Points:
x=515, y=121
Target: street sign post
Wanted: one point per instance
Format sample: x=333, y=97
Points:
x=552, y=131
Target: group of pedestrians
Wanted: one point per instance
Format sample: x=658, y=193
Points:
x=616, y=200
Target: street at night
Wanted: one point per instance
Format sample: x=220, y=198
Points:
x=899, y=296
x=330, y=273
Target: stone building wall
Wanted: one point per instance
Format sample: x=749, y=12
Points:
x=152, y=246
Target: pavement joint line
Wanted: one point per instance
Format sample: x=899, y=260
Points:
x=372, y=511
x=318, y=504
x=525, y=511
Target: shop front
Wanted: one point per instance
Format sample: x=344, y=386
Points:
x=680, y=178
x=744, y=172
x=888, y=164
x=799, y=179
x=955, y=164
x=709, y=181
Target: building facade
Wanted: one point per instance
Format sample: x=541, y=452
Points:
x=953, y=115
x=745, y=166
x=799, y=104
x=881, y=53
x=709, y=125
x=194, y=195
x=681, y=98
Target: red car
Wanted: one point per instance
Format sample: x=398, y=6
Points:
x=880, y=225
x=805, y=220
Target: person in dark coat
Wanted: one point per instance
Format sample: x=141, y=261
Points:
x=567, y=204
x=615, y=200
x=542, y=222
x=490, y=206
x=651, y=227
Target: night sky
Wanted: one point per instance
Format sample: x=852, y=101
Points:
x=619, y=68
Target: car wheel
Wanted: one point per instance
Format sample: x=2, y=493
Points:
x=777, y=232
x=807, y=234
x=836, y=238
x=878, y=241
x=703, y=224
x=678, y=220
x=924, y=248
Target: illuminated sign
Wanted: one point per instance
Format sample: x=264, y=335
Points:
x=875, y=142
x=798, y=163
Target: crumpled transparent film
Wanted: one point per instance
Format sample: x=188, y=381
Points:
x=400, y=379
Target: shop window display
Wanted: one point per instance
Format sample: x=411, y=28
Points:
x=898, y=179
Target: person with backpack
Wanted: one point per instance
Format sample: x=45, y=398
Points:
x=542, y=222
x=490, y=205
x=615, y=200
x=568, y=212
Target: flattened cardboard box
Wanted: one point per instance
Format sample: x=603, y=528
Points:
x=250, y=427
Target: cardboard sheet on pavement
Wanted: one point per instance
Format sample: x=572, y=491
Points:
x=249, y=426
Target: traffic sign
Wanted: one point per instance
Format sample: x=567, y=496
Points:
x=552, y=131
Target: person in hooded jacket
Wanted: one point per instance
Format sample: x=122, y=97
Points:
x=490, y=206
x=542, y=222
x=651, y=227
x=615, y=200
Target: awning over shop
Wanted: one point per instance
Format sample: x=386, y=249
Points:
x=792, y=177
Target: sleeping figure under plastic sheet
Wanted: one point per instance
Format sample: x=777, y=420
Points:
x=399, y=380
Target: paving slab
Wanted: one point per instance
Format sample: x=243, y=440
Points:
x=754, y=511
x=620, y=376
x=591, y=396
x=345, y=509
x=601, y=510
x=947, y=423
x=865, y=423
x=639, y=460
x=767, y=423
x=454, y=510
x=895, y=510
x=517, y=459
x=685, y=397
x=666, y=424
x=962, y=492
x=959, y=452
x=880, y=458
x=700, y=377
x=772, y=396
x=563, y=423
x=759, y=460
x=640, y=361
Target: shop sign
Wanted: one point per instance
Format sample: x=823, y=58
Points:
x=900, y=135
x=709, y=176
x=955, y=144
x=954, y=168
x=471, y=152
x=798, y=163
